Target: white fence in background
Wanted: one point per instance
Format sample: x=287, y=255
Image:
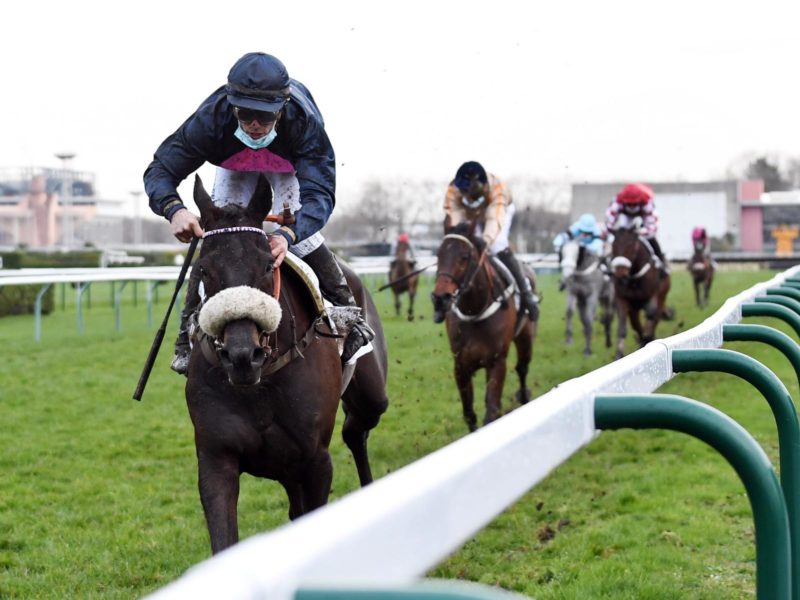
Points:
x=402, y=525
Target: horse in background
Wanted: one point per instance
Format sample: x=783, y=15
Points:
x=265, y=376
x=701, y=268
x=401, y=266
x=482, y=317
x=587, y=287
x=638, y=285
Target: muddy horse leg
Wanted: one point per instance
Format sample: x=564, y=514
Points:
x=463, y=377
x=411, y=295
x=568, y=318
x=495, y=379
x=586, y=309
x=218, y=482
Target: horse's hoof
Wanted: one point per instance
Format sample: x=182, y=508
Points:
x=410, y=318
x=523, y=396
x=587, y=352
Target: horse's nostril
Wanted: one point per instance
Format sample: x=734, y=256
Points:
x=258, y=357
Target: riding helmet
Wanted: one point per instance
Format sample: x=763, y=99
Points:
x=635, y=193
x=467, y=172
x=258, y=81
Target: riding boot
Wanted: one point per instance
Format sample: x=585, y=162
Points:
x=180, y=363
x=334, y=288
x=527, y=301
x=660, y=254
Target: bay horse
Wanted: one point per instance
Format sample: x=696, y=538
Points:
x=400, y=267
x=638, y=285
x=588, y=287
x=265, y=377
x=702, y=270
x=482, y=321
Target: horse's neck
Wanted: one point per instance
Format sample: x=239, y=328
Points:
x=479, y=293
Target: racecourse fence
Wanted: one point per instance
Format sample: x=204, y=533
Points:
x=385, y=537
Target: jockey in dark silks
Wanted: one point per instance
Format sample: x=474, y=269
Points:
x=636, y=200
x=261, y=122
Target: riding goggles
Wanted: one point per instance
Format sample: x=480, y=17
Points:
x=247, y=115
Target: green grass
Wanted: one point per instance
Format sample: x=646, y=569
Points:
x=98, y=493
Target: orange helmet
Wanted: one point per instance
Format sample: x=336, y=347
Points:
x=635, y=193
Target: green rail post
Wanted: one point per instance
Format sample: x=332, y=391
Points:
x=765, y=307
x=783, y=290
x=773, y=554
x=781, y=299
x=768, y=335
x=424, y=590
x=783, y=409
x=790, y=283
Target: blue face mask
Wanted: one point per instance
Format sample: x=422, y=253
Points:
x=258, y=144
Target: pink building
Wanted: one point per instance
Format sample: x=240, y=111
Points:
x=32, y=207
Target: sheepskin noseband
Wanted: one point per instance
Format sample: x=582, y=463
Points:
x=241, y=302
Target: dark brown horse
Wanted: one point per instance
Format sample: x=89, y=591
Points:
x=399, y=268
x=638, y=285
x=265, y=376
x=702, y=270
x=482, y=320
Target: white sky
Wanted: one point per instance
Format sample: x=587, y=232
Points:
x=582, y=90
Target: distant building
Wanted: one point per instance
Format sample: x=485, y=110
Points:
x=35, y=212
x=731, y=209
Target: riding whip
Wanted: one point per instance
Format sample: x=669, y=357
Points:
x=151, y=358
x=403, y=278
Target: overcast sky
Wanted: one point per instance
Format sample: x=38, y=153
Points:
x=590, y=90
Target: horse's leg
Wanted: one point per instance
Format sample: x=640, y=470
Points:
x=396, y=303
x=524, y=345
x=463, y=377
x=644, y=333
x=623, y=308
x=588, y=311
x=568, y=317
x=317, y=474
x=495, y=379
x=218, y=482
x=294, y=491
x=697, y=299
x=411, y=295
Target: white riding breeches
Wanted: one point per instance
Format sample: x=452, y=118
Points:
x=237, y=187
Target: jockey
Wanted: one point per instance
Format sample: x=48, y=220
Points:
x=701, y=242
x=403, y=238
x=586, y=232
x=481, y=198
x=260, y=122
x=636, y=200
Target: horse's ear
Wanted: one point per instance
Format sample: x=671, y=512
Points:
x=261, y=200
x=201, y=197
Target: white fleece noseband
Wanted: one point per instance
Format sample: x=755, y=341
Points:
x=242, y=302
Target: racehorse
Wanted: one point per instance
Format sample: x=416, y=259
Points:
x=265, y=376
x=399, y=268
x=702, y=271
x=482, y=320
x=638, y=285
x=587, y=286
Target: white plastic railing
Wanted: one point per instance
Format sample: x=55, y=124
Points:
x=407, y=522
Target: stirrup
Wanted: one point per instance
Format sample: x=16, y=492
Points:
x=180, y=363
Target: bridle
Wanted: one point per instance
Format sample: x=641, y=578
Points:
x=276, y=278
x=470, y=273
x=276, y=273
